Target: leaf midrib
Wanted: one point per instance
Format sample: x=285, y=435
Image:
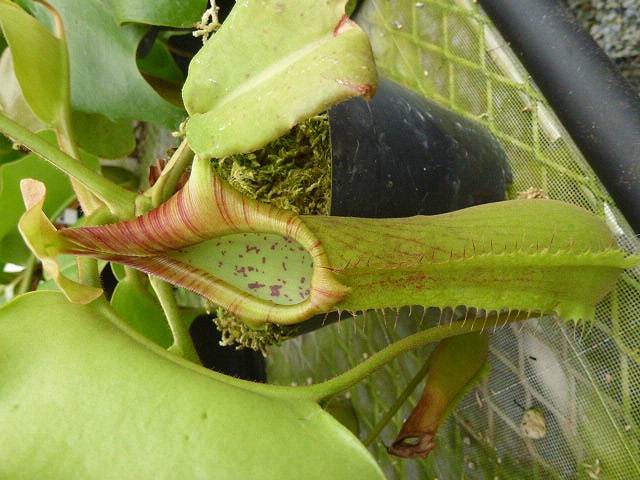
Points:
x=272, y=71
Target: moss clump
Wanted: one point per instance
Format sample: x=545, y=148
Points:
x=234, y=332
x=292, y=172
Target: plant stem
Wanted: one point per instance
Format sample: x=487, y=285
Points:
x=171, y=174
x=408, y=390
x=182, y=343
x=349, y=378
x=87, y=200
x=88, y=272
x=120, y=201
x=64, y=132
x=27, y=276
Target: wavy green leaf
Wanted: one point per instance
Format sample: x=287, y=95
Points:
x=96, y=400
x=291, y=59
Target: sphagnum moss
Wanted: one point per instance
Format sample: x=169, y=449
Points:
x=292, y=172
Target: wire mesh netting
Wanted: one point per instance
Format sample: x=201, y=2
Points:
x=583, y=382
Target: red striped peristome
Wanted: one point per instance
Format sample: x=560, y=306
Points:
x=208, y=207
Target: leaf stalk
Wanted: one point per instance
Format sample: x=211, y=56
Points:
x=351, y=377
x=119, y=201
x=167, y=184
x=182, y=343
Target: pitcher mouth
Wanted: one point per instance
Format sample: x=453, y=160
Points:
x=413, y=445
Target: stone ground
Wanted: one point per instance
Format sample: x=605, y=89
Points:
x=615, y=25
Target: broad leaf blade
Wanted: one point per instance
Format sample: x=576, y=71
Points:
x=97, y=134
x=97, y=381
x=292, y=59
x=159, y=63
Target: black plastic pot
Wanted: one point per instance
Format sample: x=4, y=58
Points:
x=244, y=363
x=400, y=155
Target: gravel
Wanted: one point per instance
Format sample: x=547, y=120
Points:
x=615, y=26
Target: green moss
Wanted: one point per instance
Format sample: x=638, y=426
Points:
x=292, y=172
x=235, y=332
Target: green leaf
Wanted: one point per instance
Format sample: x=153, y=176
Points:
x=104, y=76
x=74, y=378
x=68, y=268
x=12, y=101
x=40, y=63
x=139, y=308
x=118, y=199
x=121, y=176
x=60, y=194
x=291, y=59
x=95, y=133
x=160, y=64
x=168, y=13
x=47, y=245
x=7, y=152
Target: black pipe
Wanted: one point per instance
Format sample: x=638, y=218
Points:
x=595, y=103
